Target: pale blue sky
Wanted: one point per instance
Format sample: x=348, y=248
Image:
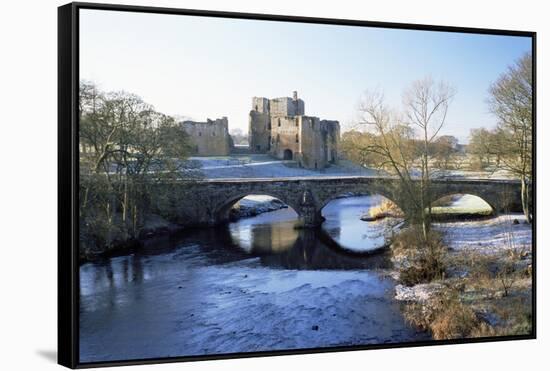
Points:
x=211, y=67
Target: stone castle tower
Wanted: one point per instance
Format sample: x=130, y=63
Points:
x=280, y=127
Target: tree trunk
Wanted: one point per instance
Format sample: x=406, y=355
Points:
x=525, y=198
x=134, y=220
x=125, y=203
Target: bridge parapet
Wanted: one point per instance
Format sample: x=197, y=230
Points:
x=212, y=199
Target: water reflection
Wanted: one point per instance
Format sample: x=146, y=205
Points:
x=268, y=233
x=275, y=239
x=195, y=293
x=344, y=225
x=272, y=237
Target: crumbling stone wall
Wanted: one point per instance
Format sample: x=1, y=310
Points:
x=210, y=138
x=285, y=137
x=259, y=132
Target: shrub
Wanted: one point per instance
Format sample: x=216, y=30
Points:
x=423, y=259
x=446, y=317
x=454, y=320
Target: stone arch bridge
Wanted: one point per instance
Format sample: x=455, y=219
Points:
x=212, y=199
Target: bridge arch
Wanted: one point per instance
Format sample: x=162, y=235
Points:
x=307, y=196
x=325, y=199
x=463, y=204
x=222, y=210
x=371, y=209
x=494, y=199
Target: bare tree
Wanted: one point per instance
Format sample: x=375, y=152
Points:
x=444, y=148
x=426, y=107
x=402, y=142
x=484, y=145
x=391, y=147
x=126, y=149
x=511, y=101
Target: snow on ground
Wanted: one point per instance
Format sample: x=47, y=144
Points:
x=419, y=293
x=488, y=235
x=470, y=174
x=465, y=204
x=265, y=166
x=470, y=202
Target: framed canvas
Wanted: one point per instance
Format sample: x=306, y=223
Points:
x=237, y=185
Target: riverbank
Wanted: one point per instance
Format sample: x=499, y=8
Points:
x=157, y=227
x=487, y=287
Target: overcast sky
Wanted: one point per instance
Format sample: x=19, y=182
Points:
x=203, y=67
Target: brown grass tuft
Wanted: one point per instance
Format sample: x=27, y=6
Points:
x=424, y=260
x=386, y=209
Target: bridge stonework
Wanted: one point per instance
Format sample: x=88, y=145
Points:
x=214, y=198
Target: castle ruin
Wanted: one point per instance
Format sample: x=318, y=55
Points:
x=210, y=138
x=280, y=128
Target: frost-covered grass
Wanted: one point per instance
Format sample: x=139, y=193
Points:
x=465, y=205
x=472, y=174
x=487, y=288
x=489, y=235
x=265, y=166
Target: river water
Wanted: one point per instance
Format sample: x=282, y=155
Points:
x=258, y=284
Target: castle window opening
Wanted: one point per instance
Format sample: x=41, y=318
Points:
x=297, y=138
x=279, y=122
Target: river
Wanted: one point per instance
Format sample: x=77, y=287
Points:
x=258, y=284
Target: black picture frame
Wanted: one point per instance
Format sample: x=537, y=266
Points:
x=68, y=175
